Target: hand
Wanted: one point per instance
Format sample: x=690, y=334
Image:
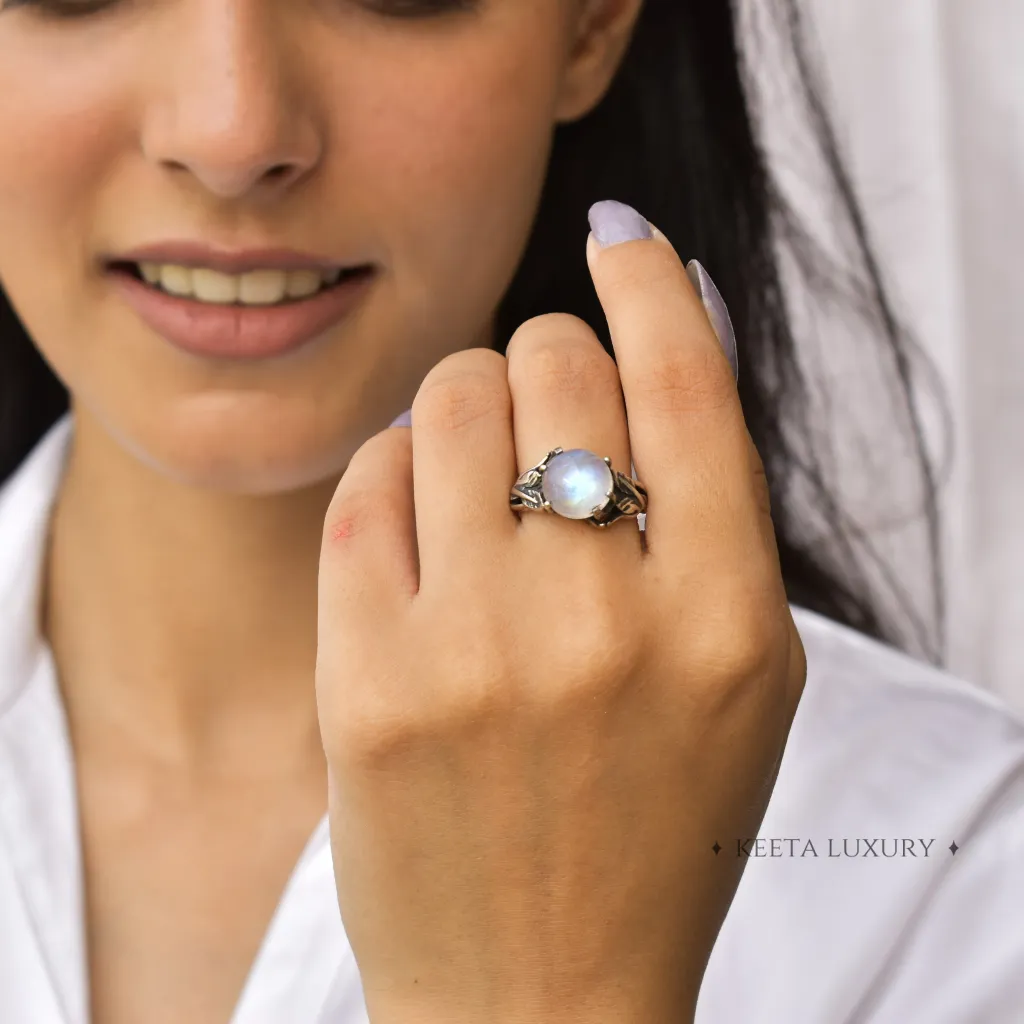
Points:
x=535, y=729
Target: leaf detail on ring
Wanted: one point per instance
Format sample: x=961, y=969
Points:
x=528, y=490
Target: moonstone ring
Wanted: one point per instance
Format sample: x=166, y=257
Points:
x=577, y=484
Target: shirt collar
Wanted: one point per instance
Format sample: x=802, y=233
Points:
x=38, y=810
x=26, y=502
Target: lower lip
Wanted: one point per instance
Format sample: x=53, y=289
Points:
x=240, y=332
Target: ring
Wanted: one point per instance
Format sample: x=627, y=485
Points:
x=577, y=484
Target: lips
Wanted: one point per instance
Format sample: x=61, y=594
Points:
x=228, y=261
x=229, y=330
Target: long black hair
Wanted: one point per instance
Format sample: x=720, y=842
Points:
x=677, y=137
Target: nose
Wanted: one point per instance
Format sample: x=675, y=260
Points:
x=226, y=111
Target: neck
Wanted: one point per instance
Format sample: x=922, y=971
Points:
x=184, y=620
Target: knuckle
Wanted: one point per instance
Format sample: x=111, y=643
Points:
x=592, y=657
x=609, y=661
x=463, y=389
x=740, y=651
x=539, y=328
x=482, y=362
x=594, y=675
x=560, y=353
x=658, y=272
x=561, y=364
x=482, y=678
x=373, y=735
x=356, y=501
x=475, y=693
x=678, y=384
x=750, y=655
x=388, y=446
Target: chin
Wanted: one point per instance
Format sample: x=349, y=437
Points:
x=244, y=444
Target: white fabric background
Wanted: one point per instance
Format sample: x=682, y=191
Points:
x=929, y=102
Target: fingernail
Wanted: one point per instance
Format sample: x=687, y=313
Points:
x=404, y=420
x=718, y=312
x=614, y=222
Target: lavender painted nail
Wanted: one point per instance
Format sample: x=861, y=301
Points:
x=718, y=312
x=404, y=420
x=614, y=222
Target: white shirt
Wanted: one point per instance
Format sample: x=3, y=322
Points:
x=882, y=748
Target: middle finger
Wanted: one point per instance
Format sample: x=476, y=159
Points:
x=566, y=393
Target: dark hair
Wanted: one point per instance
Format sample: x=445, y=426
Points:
x=675, y=137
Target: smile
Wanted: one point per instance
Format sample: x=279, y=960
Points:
x=256, y=314
x=264, y=287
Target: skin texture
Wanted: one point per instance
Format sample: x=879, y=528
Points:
x=209, y=561
x=526, y=782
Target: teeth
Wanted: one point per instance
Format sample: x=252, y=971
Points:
x=211, y=286
x=262, y=287
x=301, y=283
x=257, y=288
x=176, y=280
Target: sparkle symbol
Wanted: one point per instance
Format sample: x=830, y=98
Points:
x=716, y=848
x=953, y=847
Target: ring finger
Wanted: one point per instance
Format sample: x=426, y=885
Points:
x=566, y=393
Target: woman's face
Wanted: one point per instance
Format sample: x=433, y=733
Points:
x=412, y=135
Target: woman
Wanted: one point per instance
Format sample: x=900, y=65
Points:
x=549, y=748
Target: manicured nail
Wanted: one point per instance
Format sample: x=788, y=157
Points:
x=613, y=222
x=404, y=420
x=718, y=312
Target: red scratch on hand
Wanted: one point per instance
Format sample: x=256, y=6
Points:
x=343, y=528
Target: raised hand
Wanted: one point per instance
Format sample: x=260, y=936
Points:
x=536, y=730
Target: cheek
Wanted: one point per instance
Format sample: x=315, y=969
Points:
x=454, y=162
x=60, y=134
x=60, y=140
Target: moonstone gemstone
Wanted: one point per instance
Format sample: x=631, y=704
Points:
x=577, y=483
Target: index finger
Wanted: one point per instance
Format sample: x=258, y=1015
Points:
x=687, y=433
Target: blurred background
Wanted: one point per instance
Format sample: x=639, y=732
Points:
x=928, y=98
